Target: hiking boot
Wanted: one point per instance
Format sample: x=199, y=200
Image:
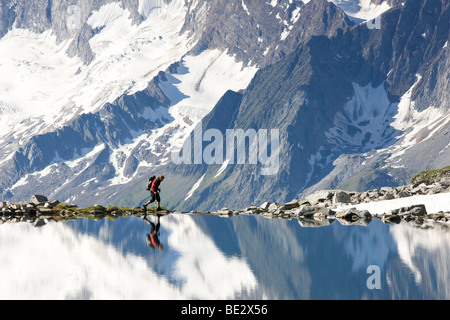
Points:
x=145, y=207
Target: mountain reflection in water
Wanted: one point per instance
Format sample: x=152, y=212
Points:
x=209, y=257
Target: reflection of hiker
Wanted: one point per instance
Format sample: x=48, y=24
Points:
x=153, y=237
x=154, y=193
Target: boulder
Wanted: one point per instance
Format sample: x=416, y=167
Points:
x=403, y=194
x=319, y=196
x=290, y=205
x=307, y=211
x=265, y=205
x=323, y=212
x=224, y=211
x=253, y=209
x=436, y=188
x=391, y=218
x=341, y=197
x=418, y=210
x=354, y=214
x=273, y=207
x=386, y=189
x=38, y=199
x=445, y=182
x=388, y=196
x=314, y=223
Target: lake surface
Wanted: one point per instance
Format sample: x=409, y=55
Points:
x=210, y=257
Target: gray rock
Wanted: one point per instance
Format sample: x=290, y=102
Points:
x=416, y=190
x=354, y=214
x=308, y=211
x=391, y=218
x=265, y=206
x=224, y=211
x=436, y=188
x=54, y=203
x=319, y=196
x=27, y=208
x=388, y=196
x=253, y=210
x=386, y=189
x=314, y=223
x=415, y=210
x=290, y=205
x=403, y=194
x=6, y=212
x=341, y=197
x=445, y=182
x=45, y=211
x=48, y=205
x=418, y=210
x=38, y=199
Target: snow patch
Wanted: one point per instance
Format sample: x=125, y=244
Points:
x=365, y=120
x=146, y=7
x=245, y=7
x=434, y=203
x=46, y=87
x=78, y=164
x=106, y=15
x=295, y=15
x=194, y=89
x=418, y=126
x=197, y=86
x=364, y=10
x=222, y=168
x=194, y=187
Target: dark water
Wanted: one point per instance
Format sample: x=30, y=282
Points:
x=209, y=257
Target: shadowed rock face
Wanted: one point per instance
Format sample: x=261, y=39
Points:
x=261, y=34
x=306, y=94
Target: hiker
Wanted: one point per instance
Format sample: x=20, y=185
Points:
x=153, y=237
x=154, y=193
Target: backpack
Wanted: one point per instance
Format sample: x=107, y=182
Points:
x=150, y=181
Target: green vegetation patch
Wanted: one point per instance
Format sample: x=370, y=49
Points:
x=431, y=175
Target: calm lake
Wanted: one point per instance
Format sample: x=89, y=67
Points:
x=210, y=257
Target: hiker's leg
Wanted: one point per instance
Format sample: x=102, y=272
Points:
x=158, y=200
x=152, y=199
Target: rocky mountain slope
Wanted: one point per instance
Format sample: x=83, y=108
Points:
x=104, y=91
x=359, y=110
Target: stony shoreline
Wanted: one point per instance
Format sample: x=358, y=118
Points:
x=323, y=207
x=316, y=210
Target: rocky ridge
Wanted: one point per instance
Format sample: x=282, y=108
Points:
x=316, y=210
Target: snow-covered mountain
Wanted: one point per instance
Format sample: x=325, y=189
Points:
x=95, y=95
x=365, y=108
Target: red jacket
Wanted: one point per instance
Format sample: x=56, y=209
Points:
x=155, y=185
